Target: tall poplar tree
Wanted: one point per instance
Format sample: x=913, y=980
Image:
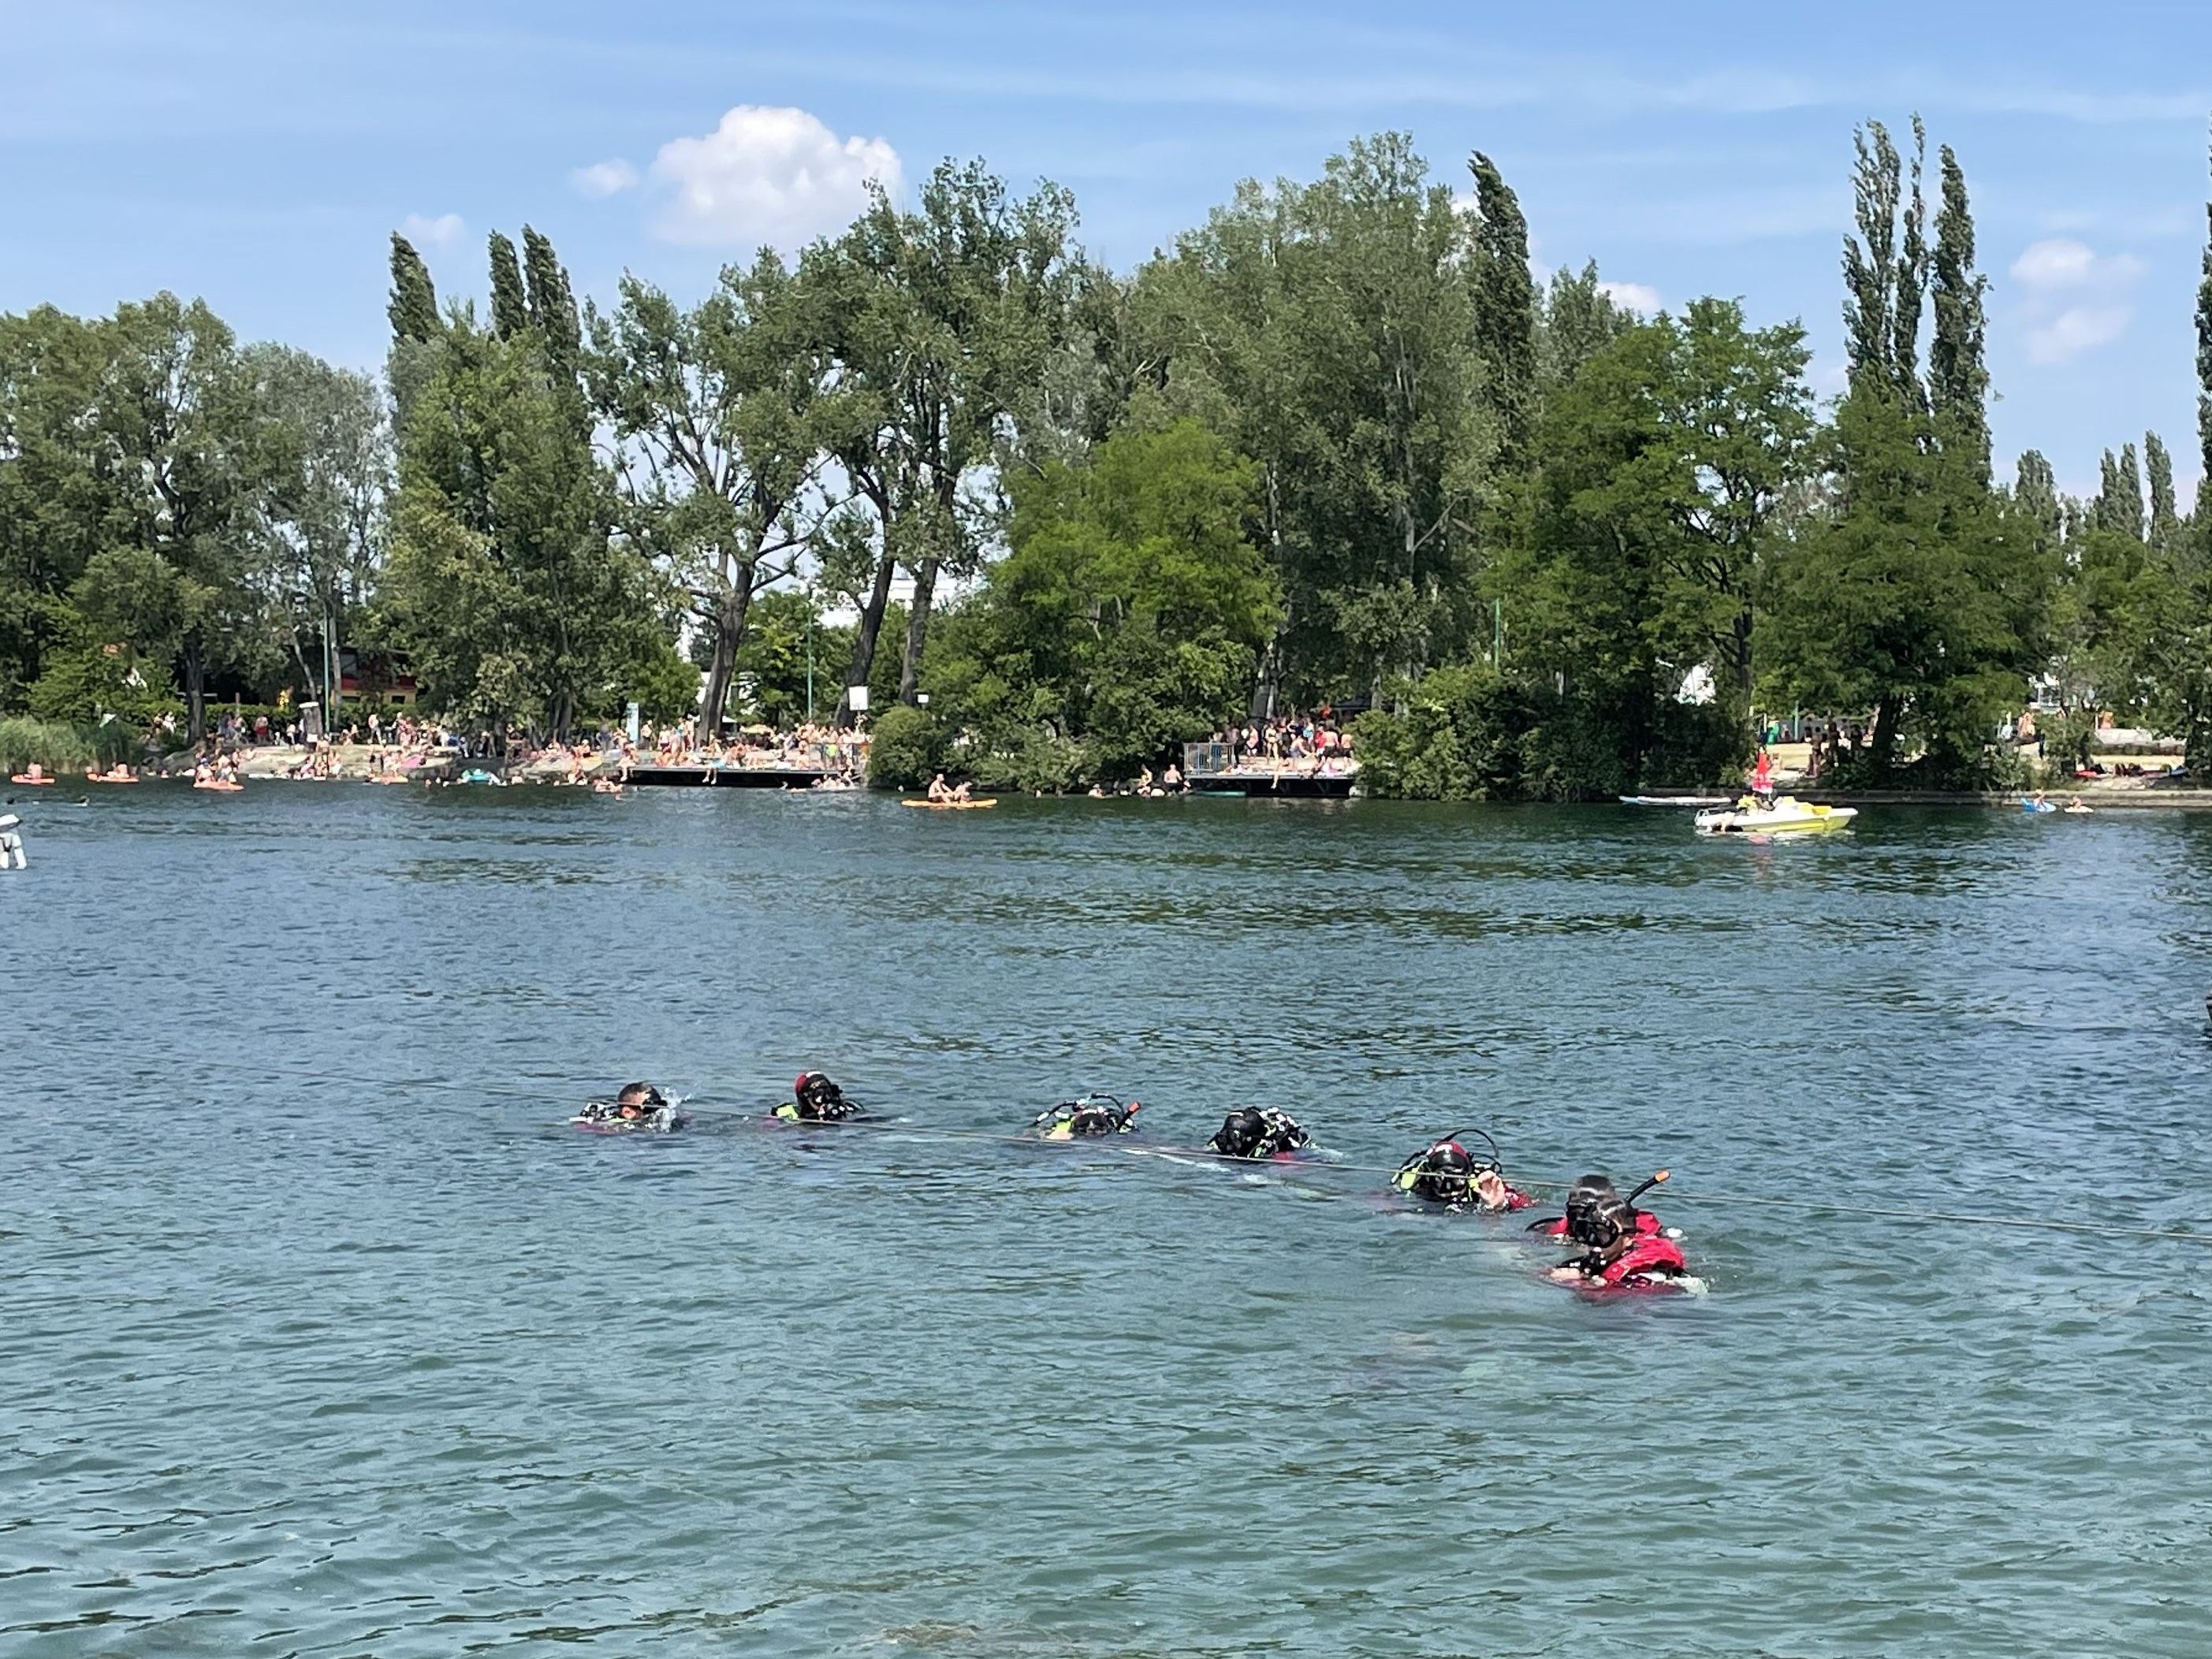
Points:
x=1921, y=598
x=1505, y=306
x=416, y=328
x=1958, y=377
x=2164, y=514
x=510, y=307
x=1870, y=260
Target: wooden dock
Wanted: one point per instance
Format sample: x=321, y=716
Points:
x=1274, y=785
x=724, y=777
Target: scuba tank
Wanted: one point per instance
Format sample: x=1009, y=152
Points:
x=1085, y=1117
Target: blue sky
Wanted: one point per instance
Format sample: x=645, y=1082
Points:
x=258, y=153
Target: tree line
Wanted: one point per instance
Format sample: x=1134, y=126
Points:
x=1337, y=446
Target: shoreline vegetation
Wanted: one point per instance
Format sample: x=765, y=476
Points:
x=1334, y=458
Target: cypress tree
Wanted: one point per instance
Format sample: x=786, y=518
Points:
x=1958, y=376
x=510, y=311
x=1504, y=306
x=1870, y=257
x=413, y=305
x=2164, y=513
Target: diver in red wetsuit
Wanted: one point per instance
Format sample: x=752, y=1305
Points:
x=1625, y=1248
x=1584, y=1198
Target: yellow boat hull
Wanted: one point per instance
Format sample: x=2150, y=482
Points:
x=1785, y=816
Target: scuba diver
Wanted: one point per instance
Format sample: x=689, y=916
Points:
x=637, y=1106
x=816, y=1099
x=1086, y=1117
x=1257, y=1132
x=1620, y=1252
x=1446, y=1173
x=1583, y=1199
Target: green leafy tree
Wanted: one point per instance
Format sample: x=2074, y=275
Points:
x=505, y=584
x=721, y=414
x=791, y=658
x=940, y=321
x=178, y=409
x=1668, y=463
x=62, y=501
x=1921, y=595
x=328, y=496
x=1131, y=610
x=1330, y=331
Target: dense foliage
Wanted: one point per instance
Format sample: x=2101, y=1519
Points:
x=1336, y=445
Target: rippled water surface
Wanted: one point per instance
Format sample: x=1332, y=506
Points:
x=321, y=1333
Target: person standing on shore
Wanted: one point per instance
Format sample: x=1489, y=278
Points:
x=1762, y=777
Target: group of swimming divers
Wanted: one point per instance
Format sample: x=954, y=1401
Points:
x=1620, y=1247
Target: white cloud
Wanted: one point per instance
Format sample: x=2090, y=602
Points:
x=439, y=232
x=2076, y=330
x=776, y=176
x=1641, y=298
x=604, y=178
x=2077, y=299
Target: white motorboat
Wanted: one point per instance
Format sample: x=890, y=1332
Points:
x=1784, y=815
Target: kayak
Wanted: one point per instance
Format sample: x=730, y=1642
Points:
x=1786, y=815
x=219, y=785
x=1674, y=800
x=951, y=806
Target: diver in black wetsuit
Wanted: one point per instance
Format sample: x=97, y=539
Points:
x=1085, y=1118
x=1257, y=1132
x=816, y=1099
x=635, y=1106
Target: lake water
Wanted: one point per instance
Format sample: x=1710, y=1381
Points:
x=321, y=1333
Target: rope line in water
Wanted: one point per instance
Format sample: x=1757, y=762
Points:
x=1830, y=1207
x=1673, y=1194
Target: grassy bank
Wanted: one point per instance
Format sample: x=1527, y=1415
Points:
x=60, y=747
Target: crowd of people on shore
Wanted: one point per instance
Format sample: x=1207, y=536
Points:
x=1317, y=744
x=812, y=747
